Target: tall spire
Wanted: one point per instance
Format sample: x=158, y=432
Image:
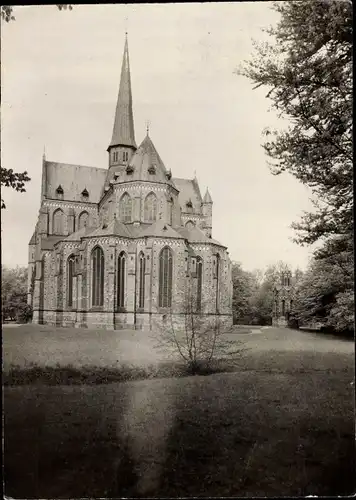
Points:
x=123, y=131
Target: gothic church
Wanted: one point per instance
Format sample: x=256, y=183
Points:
x=125, y=246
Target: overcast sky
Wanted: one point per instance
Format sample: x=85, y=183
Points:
x=60, y=77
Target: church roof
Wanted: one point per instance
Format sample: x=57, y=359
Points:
x=74, y=179
x=188, y=191
x=123, y=130
x=160, y=229
x=49, y=242
x=33, y=239
x=113, y=228
x=78, y=234
x=196, y=235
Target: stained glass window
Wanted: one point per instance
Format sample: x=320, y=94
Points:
x=142, y=270
x=150, y=208
x=199, y=282
x=97, y=277
x=126, y=208
x=70, y=274
x=217, y=271
x=121, y=269
x=165, y=278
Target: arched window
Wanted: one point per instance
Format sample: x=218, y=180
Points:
x=97, y=277
x=199, y=282
x=70, y=275
x=190, y=224
x=83, y=220
x=165, y=278
x=170, y=211
x=121, y=281
x=217, y=272
x=291, y=305
x=58, y=222
x=125, y=208
x=150, y=208
x=142, y=270
x=283, y=307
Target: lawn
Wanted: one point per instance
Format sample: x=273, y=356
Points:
x=281, y=425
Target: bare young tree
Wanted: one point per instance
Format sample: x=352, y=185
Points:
x=198, y=339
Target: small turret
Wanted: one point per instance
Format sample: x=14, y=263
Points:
x=207, y=208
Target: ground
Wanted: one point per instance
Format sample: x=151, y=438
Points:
x=282, y=424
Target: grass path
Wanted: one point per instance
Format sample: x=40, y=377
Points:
x=282, y=425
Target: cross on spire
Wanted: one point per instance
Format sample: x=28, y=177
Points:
x=148, y=123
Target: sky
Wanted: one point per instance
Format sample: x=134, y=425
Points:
x=60, y=78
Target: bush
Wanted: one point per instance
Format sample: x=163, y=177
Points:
x=24, y=314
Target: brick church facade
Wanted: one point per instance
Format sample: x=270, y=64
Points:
x=127, y=246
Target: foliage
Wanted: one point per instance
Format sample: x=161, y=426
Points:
x=7, y=11
x=12, y=179
x=244, y=286
x=325, y=294
x=308, y=71
x=14, y=294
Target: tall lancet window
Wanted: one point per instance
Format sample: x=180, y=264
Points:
x=199, y=282
x=142, y=270
x=58, y=222
x=97, y=272
x=70, y=280
x=217, y=275
x=150, y=208
x=126, y=208
x=83, y=220
x=165, y=278
x=121, y=281
x=170, y=211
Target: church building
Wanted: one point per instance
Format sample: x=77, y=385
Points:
x=127, y=246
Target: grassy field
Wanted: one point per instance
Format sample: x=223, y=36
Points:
x=281, y=425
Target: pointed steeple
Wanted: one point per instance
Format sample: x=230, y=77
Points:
x=123, y=131
x=207, y=198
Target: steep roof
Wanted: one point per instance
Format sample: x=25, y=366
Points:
x=78, y=234
x=160, y=229
x=49, y=242
x=143, y=160
x=33, y=239
x=188, y=191
x=113, y=228
x=123, y=131
x=74, y=179
x=196, y=235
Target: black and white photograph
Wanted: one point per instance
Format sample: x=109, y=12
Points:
x=177, y=250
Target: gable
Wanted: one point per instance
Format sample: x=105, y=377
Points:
x=74, y=179
x=188, y=190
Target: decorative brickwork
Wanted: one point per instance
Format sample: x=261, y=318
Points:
x=90, y=212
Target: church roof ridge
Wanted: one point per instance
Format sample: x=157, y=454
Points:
x=73, y=165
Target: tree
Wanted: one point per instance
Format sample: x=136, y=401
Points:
x=15, y=180
x=14, y=293
x=308, y=73
x=245, y=285
x=325, y=293
x=9, y=178
x=199, y=341
x=7, y=11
